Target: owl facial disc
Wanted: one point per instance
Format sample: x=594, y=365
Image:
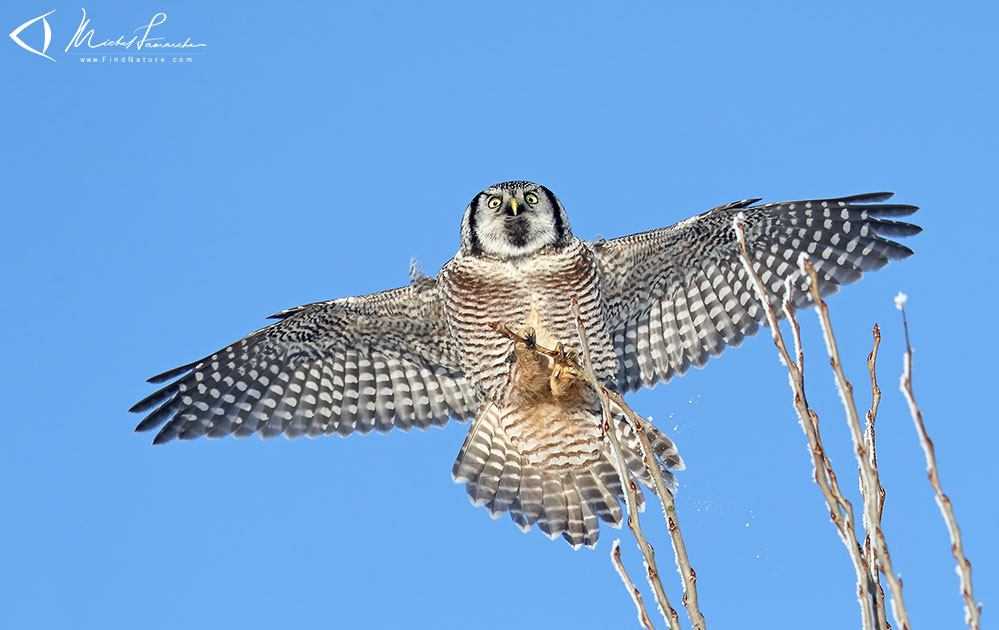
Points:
x=512, y=220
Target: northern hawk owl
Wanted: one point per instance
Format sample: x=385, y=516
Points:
x=652, y=305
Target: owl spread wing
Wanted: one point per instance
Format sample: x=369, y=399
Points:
x=351, y=364
x=676, y=295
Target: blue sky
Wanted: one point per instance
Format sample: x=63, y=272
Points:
x=153, y=213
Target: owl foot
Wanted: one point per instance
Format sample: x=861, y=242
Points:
x=564, y=370
x=525, y=350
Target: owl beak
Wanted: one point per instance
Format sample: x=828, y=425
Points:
x=513, y=206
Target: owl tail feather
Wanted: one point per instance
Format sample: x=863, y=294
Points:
x=563, y=498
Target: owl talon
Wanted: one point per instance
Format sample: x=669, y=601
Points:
x=524, y=349
x=564, y=370
x=530, y=338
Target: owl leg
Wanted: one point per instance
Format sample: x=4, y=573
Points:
x=564, y=370
x=524, y=350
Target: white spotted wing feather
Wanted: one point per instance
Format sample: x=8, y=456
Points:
x=678, y=295
x=345, y=366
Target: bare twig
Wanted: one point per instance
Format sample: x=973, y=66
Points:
x=505, y=331
x=681, y=558
x=869, y=441
x=872, y=413
x=636, y=595
x=972, y=612
x=840, y=510
x=631, y=490
x=869, y=483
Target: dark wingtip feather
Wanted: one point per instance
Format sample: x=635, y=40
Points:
x=154, y=399
x=162, y=438
x=140, y=406
x=895, y=228
x=169, y=431
x=870, y=197
x=891, y=210
x=157, y=417
x=169, y=374
x=901, y=252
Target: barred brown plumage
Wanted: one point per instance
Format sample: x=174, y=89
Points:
x=652, y=305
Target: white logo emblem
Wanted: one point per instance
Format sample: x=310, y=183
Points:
x=48, y=35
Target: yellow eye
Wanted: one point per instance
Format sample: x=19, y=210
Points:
x=531, y=198
x=494, y=202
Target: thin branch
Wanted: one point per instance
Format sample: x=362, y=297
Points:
x=869, y=442
x=551, y=353
x=630, y=492
x=840, y=510
x=872, y=413
x=847, y=523
x=636, y=595
x=681, y=558
x=972, y=612
x=669, y=513
x=869, y=483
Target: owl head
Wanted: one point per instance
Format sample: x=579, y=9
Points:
x=513, y=219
